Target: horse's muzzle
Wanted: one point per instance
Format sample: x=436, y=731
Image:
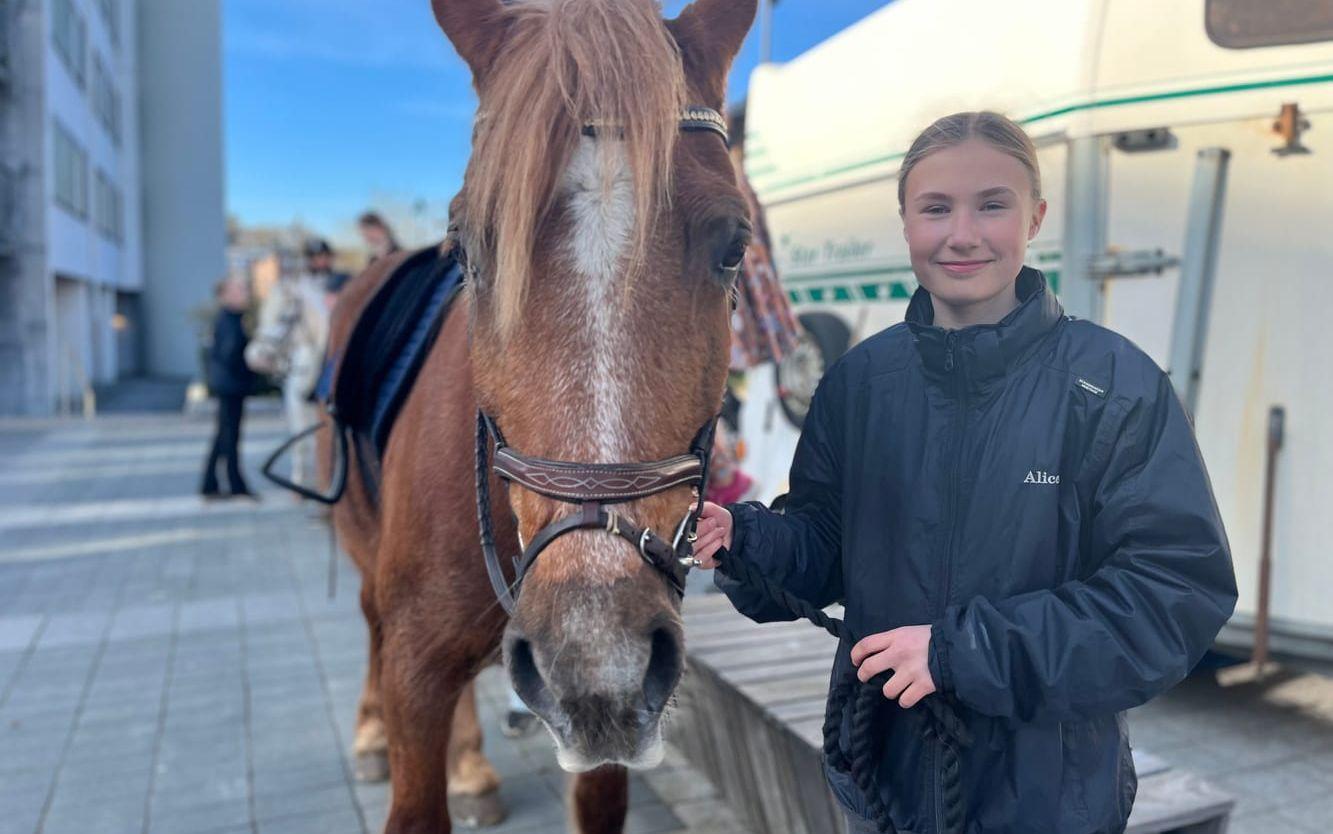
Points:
x=600, y=694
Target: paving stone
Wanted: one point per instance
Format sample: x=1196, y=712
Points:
x=200, y=817
x=650, y=818
x=17, y=632
x=346, y=821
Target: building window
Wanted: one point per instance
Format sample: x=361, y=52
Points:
x=1242, y=24
x=71, y=172
x=111, y=16
x=108, y=207
x=106, y=101
x=69, y=32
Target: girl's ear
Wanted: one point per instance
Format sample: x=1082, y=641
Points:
x=1038, y=215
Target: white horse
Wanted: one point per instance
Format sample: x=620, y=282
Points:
x=289, y=343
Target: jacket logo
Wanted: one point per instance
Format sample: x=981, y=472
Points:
x=1095, y=390
x=1040, y=477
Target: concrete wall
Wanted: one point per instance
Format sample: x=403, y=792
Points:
x=184, y=221
x=27, y=302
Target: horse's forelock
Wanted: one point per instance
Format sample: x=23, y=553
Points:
x=566, y=63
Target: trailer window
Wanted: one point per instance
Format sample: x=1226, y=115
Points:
x=1242, y=24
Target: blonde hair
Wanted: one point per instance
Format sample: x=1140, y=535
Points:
x=1000, y=131
x=567, y=63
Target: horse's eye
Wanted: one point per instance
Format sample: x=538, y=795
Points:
x=729, y=265
x=736, y=253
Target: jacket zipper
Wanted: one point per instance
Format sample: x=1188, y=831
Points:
x=959, y=382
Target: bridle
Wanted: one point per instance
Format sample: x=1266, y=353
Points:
x=595, y=488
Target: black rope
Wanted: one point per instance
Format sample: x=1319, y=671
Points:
x=942, y=720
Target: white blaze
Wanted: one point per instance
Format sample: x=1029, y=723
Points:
x=601, y=215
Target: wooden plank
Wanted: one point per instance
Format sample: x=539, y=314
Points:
x=750, y=712
x=1174, y=799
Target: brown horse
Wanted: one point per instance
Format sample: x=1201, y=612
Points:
x=594, y=328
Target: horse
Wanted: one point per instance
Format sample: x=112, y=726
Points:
x=289, y=343
x=601, y=227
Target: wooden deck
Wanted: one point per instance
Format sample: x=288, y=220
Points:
x=751, y=709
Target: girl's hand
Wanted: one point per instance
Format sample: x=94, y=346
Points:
x=714, y=531
x=906, y=651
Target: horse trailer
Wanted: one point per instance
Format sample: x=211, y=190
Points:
x=1187, y=156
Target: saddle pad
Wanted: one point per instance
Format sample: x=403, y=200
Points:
x=390, y=341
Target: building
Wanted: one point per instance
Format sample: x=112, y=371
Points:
x=112, y=223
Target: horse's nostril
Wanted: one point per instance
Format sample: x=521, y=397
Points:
x=664, y=669
x=527, y=680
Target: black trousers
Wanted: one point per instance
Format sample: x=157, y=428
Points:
x=226, y=446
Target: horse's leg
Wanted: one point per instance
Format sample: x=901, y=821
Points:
x=599, y=800
x=419, y=690
x=474, y=786
x=372, y=741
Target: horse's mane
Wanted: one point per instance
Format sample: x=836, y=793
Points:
x=565, y=63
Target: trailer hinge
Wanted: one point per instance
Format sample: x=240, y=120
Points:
x=1139, y=262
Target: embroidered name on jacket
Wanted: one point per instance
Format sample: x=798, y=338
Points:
x=1040, y=477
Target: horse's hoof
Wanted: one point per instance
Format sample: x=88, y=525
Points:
x=372, y=766
x=477, y=810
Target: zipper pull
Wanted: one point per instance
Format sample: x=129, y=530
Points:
x=948, y=352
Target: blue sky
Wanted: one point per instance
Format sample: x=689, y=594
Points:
x=333, y=106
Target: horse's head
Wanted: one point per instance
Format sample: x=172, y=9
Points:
x=601, y=237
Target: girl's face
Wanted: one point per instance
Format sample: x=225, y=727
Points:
x=968, y=215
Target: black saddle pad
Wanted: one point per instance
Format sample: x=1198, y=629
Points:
x=390, y=341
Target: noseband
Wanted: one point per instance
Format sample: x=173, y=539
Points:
x=595, y=487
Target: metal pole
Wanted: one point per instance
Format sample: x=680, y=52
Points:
x=1276, y=425
x=1197, y=271
x=1088, y=165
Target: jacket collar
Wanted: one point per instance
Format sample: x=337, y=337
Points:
x=982, y=354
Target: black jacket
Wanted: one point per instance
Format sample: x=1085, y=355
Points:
x=1032, y=490
x=228, y=375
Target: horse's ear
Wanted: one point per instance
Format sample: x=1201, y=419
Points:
x=710, y=33
x=476, y=28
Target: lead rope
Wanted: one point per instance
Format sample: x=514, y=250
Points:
x=943, y=722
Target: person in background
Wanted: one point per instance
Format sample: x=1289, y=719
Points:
x=378, y=237
x=231, y=381
x=319, y=262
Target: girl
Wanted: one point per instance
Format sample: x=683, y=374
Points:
x=1011, y=505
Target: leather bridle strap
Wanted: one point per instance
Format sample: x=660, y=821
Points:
x=591, y=487
x=693, y=119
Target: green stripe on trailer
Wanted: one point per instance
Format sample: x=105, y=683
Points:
x=881, y=291
x=1121, y=101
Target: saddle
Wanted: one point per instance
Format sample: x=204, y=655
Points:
x=389, y=342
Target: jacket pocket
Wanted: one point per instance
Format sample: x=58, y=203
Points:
x=1098, y=772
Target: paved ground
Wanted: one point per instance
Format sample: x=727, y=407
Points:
x=169, y=666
